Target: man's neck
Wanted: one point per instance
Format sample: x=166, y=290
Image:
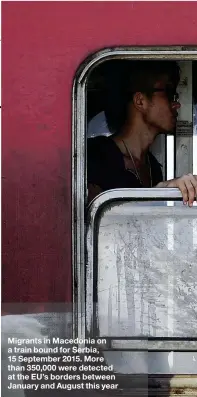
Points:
x=137, y=140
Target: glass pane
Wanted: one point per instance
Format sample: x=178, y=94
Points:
x=146, y=278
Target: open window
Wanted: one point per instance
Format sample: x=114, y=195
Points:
x=175, y=152
x=134, y=254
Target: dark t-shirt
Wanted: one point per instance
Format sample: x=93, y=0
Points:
x=106, y=168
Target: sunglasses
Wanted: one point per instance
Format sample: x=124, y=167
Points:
x=170, y=94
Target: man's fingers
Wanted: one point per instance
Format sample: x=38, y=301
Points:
x=194, y=183
x=187, y=184
x=184, y=190
x=188, y=188
x=191, y=191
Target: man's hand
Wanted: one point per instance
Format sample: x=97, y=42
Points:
x=187, y=184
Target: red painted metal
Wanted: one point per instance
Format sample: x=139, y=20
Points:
x=43, y=45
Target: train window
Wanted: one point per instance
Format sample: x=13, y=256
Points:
x=118, y=223
x=174, y=150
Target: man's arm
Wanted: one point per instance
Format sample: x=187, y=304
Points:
x=187, y=184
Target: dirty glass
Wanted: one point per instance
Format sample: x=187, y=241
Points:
x=146, y=281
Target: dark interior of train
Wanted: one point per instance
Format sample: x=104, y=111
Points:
x=98, y=85
x=178, y=155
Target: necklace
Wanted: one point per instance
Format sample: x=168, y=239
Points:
x=135, y=168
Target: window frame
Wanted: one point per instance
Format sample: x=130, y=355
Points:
x=79, y=169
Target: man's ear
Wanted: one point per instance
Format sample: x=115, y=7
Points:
x=140, y=101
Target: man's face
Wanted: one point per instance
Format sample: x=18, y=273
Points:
x=162, y=108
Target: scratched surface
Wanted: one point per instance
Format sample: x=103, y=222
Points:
x=147, y=266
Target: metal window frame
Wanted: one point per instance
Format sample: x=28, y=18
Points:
x=79, y=184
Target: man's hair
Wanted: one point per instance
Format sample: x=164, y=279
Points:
x=124, y=78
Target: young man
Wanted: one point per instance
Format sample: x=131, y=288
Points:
x=144, y=105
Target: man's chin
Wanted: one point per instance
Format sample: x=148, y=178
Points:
x=168, y=131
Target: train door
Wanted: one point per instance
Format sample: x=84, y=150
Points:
x=139, y=262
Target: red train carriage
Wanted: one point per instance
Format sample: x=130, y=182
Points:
x=85, y=274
